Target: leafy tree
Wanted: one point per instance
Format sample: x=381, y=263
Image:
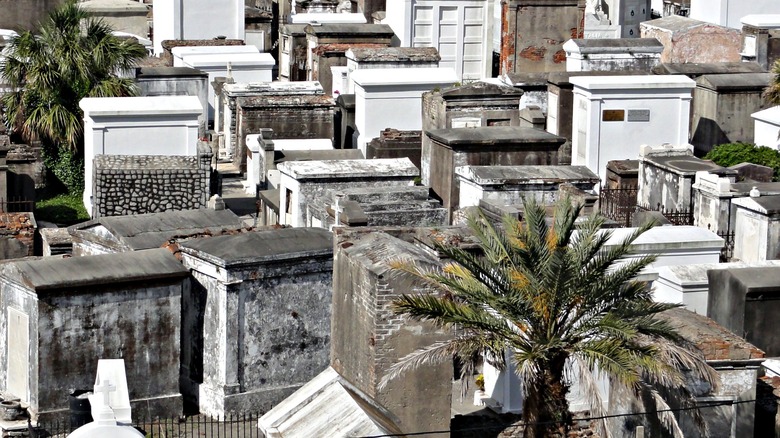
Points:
x=72, y=56
x=730, y=154
x=553, y=298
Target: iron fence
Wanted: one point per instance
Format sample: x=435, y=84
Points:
x=16, y=205
x=727, y=252
x=231, y=426
x=675, y=217
x=620, y=204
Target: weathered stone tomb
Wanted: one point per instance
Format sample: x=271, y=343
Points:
x=484, y=146
x=257, y=323
x=59, y=316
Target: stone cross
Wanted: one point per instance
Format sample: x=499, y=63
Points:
x=106, y=389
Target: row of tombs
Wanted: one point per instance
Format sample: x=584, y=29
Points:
x=147, y=157
x=212, y=317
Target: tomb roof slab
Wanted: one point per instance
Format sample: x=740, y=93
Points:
x=762, y=21
x=715, y=341
x=282, y=100
x=767, y=205
x=144, y=231
x=99, y=270
x=735, y=81
x=481, y=89
x=276, y=87
x=261, y=246
x=688, y=164
x=675, y=23
x=769, y=115
x=345, y=169
x=490, y=135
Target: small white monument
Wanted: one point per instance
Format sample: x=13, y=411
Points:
x=614, y=115
x=197, y=20
x=110, y=404
x=392, y=98
x=729, y=13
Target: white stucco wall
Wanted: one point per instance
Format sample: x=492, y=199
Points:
x=729, y=12
x=656, y=110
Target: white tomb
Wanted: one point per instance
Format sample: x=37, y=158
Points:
x=757, y=228
x=688, y=284
x=242, y=63
x=254, y=159
x=110, y=402
x=767, y=127
x=197, y=20
x=729, y=13
x=461, y=30
x=614, y=115
x=388, y=57
x=392, y=98
x=159, y=125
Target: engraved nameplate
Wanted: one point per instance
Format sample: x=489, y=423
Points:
x=613, y=115
x=639, y=115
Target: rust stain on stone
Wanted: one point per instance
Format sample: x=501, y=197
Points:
x=559, y=57
x=533, y=53
x=508, y=38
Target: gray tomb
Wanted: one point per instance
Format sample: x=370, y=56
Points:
x=747, y=302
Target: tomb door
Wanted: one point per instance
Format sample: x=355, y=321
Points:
x=18, y=354
x=457, y=30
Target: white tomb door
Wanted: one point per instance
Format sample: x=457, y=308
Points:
x=457, y=30
x=18, y=376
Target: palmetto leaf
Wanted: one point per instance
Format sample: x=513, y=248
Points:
x=70, y=57
x=546, y=294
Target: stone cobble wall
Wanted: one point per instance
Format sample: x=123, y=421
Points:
x=125, y=185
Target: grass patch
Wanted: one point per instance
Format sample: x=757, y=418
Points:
x=62, y=209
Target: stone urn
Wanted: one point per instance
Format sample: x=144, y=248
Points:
x=11, y=410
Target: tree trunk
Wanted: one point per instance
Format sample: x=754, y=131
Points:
x=545, y=409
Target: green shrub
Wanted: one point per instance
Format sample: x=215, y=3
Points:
x=63, y=209
x=67, y=166
x=730, y=154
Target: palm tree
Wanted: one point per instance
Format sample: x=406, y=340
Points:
x=772, y=92
x=554, y=299
x=72, y=56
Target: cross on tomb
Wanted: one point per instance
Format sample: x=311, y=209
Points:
x=106, y=389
